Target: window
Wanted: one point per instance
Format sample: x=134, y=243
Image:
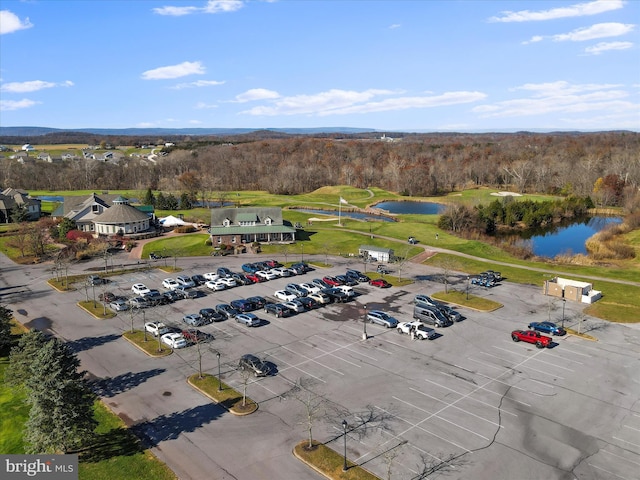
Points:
x=268, y=221
x=95, y=208
x=226, y=222
x=233, y=239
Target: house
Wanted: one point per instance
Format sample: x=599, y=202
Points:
x=27, y=147
x=571, y=290
x=377, y=254
x=232, y=226
x=10, y=198
x=45, y=157
x=85, y=211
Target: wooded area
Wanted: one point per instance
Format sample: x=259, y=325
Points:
x=606, y=164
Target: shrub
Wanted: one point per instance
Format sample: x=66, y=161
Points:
x=76, y=235
x=185, y=229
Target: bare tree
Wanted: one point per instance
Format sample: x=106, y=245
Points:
x=245, y=375
x=402, y=261
x=314, y=405
x=448, y=266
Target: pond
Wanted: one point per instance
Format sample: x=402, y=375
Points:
x=422, y=208
x=566, y=238
x=356, y=215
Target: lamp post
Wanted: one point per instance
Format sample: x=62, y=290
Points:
x=467, y=287
x=344, y=428
x=364, y=323
x=564, y=302
x=219, y=379
x=302, y=252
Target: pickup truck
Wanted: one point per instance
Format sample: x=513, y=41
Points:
x=420, y=330
x=531, y=336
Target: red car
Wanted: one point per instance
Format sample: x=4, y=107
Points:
x=254, y=278
x=531, y=336
x=379, y=282
x=329, y=280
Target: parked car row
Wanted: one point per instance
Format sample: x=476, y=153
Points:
x=489, y=279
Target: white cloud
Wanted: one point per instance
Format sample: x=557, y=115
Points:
x=195, y=122
x=204, y=106
x=599, y=30
x=174, y=71
x=577, y=10
x=212, y=6
x=256, y=94
x=561, y=97
x=197, y=84
x=394, y=26
x=31, y=86
x=6, y=105
x=598, y=48
x=342, y=102
x=10, y=22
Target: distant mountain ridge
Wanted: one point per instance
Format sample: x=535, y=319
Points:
x=29, y=131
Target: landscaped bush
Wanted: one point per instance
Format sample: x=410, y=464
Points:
x=185, y=229
x=75, y=235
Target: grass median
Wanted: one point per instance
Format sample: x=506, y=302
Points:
x=222, y=394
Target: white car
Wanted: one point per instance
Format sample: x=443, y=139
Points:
x=420, y=330
x=185, y=281
x=156, y=328
x=295, y=305
x=119, y=305
x=229, y=282
x=267, y=275
x=211, y=276
x=174, y=340
x=310, y=287
x=215, y=285
x=140, y=289
x=281, y=272
x=170, y=283
x=284, y=295
x=347, y=289
x=321, y=298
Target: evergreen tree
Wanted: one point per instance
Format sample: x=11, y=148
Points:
x=161, y=202
x=21, y=357
x=19, y=213
x=65, y=226
x=149, y=198
x=171, y=202
x=185, y=201
x=5, y=327
x=61, y=417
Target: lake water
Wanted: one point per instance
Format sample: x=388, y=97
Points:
x=422, y=208
x=566, y=238
x=356, y=215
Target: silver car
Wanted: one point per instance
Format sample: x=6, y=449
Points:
x=249, y=319
x=382, y=318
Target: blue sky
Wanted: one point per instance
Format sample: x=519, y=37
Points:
x=422, y=65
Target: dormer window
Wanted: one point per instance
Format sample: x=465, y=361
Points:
x=268, y=221
x=226, y=222
x=95, y=208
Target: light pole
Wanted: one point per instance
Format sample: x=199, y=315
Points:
x=344, y=428
x=364, y=323
x=302, y=252
x=564, y=302
x=467, y=287
x=219, y=379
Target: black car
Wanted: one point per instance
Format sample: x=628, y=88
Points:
x=186, y=292
x=345, y=280
x=107, y=297
x=211, y=315
x=227, y=310
x=154, y=297
x=300, y=268
x=198, y=280
x=171, y=296
x=277, y=309
x=244, y=305
x=224, y=272
x=336, y=295
x=308, y=302
x=193, y=335
x=242, y=279
x=357, y=276
x=321, y=283
x=259, y=301
x=254, y=364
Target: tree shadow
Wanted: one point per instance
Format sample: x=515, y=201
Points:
x=112, y=386
x=115, y=443
x=87, y=343
x=169, y=427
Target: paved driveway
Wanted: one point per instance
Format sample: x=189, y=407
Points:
x=496, y=409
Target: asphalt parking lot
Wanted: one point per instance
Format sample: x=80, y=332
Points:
x=492, y=408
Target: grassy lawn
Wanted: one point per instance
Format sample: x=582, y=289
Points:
x=97, y=309
x=191, y=245
x=151, y=346
x=330, y=463
x=460, y=298
x=116, y=454
x=223, y=394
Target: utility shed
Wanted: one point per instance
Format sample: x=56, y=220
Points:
x=571, y=290
x=376, y=253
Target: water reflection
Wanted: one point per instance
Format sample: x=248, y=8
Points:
x=356, y=215
x=411, y=207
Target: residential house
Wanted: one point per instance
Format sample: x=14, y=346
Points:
x=10, y=198
x=378, y=254
x=233, y=226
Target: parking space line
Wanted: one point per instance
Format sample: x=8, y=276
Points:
x=532, y=368
x=517, y=387
x=632, y=428
x=312, y=360
x=354, y=351
x=332, y=354
x=295, y=367
x=499, y=394
x=471, y=398
x=417, y=425
x=455, y=406
x=606, y=471
x=620, y=456
x=626, y=441
x=560, y=357
x=537, y=359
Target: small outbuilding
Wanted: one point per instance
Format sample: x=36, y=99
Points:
x=571, y=290
x=377, y=254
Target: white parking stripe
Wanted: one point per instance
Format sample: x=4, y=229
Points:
x=332, y=354
x=626, y=441
x=620, y=456
x=607, y=471
x=456, y=407
x=295, y=367
x=353, y=351
x=471, y=398
x=631, y=428
x=312, y=360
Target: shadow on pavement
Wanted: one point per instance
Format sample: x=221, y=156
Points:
x=112, y=386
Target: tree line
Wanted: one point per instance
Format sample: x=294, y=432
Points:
x=606, y=164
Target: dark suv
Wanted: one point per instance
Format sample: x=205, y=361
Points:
x=227, y=310
x=277, y=309
x=357, y=276
x=243, y=305
x=254, y=364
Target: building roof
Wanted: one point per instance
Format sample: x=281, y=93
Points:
x=235, y=215
x=121, y=213
x=371, y=248
x=254, y=229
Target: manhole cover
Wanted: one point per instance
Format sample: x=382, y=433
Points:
x=166, y=394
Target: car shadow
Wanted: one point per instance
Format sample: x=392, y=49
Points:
x=264, y=322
